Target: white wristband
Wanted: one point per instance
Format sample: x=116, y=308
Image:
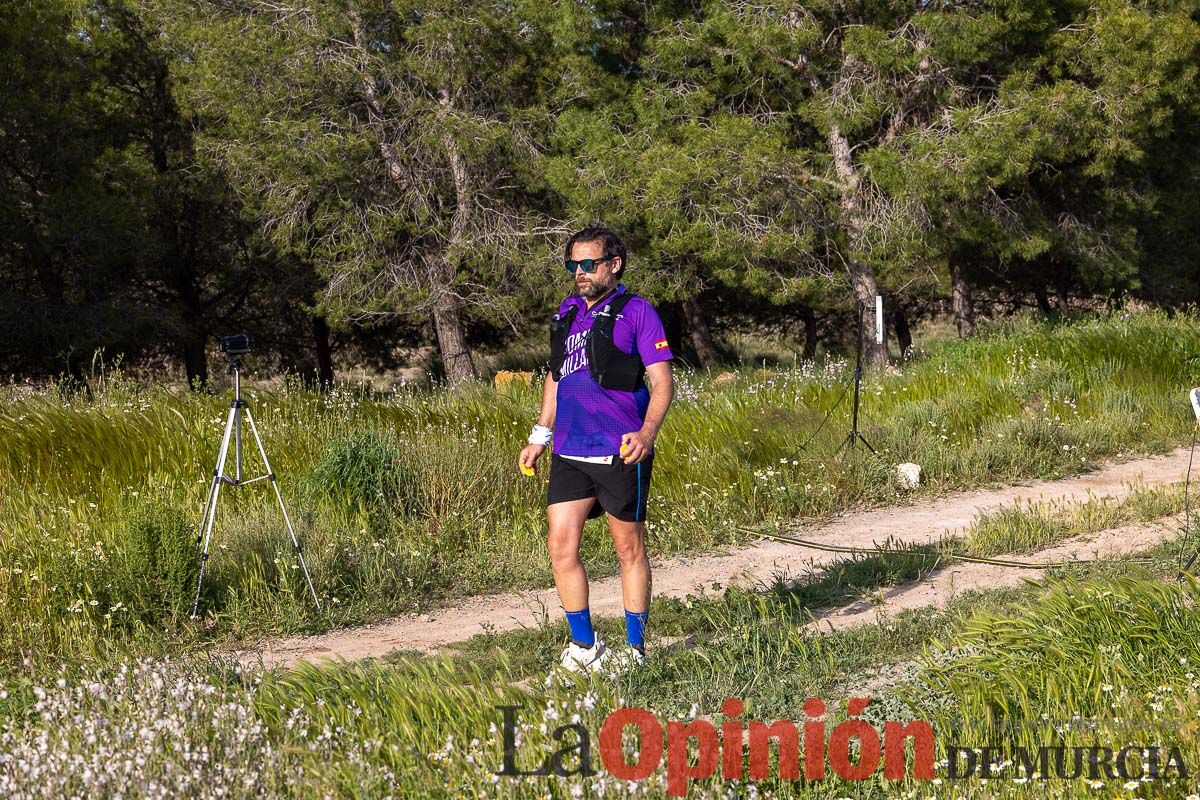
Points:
x=541, y=435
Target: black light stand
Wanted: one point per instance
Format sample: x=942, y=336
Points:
x=854, y=436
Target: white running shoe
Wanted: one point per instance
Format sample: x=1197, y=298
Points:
x=583, y=659
x=627, y=659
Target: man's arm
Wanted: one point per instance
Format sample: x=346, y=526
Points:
x=637, y=445
x=531, y=452
x=549, y=401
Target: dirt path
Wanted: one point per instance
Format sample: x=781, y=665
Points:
x=920, y=523
x=937, y=588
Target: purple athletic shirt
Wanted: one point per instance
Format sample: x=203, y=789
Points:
x=590, y=420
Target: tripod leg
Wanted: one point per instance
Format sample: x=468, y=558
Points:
x=208, y=504
x=210, y=508
x=278, y=496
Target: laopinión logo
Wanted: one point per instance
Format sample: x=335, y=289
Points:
x=728, y=750
x=694, y=751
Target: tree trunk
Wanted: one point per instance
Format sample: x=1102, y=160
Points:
x=387, y=150
x=195, y=361
x=452, y=340
x=808, y=317
x=447, y=309
x=1043, y=300
x=964, y=311
x=903, y=332
x=700, y=335
x=320, y=329
x=1064, y=294
x=862, y=277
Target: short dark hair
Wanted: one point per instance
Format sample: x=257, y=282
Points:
x=614, y=246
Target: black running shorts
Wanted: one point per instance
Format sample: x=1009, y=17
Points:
x=619, y=488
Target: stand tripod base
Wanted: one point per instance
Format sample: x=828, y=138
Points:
x=233, y=431
x=854, y=437
x=851, y=439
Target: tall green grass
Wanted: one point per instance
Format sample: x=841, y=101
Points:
x=1018, y=666
x=1025, y=527
x=1079, y=662
x=408, y=497
x=1005, y=668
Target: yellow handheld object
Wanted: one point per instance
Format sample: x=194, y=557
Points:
x=527, y=470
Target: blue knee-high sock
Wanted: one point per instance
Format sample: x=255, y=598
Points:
x=635, y=628
x=582, y=632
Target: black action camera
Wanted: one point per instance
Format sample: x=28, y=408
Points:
x=236, y=345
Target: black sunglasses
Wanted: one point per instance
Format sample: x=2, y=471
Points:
x=588, y=265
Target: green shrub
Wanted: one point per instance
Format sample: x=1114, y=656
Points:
x=160, y=560
x=362, y=470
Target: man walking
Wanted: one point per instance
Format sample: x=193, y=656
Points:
x=603, y=421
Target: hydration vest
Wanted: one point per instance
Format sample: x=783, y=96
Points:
x=609, y=365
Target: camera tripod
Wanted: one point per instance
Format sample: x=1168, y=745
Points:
x=233, y=430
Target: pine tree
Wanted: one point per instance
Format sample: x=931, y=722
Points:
x=389, y=143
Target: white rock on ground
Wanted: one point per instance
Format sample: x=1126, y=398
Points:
x=909, y=475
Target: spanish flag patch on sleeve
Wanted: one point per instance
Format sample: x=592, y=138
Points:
x=660, y=345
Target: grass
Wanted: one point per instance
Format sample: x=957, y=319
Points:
x=1021, y=661
x=407, y=498
x=1078, y=662
x=1024, y=527
x=677, y=623
x=680, y=623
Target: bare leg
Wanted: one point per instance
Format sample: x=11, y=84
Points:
x=566, y=529
x=629, y=540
